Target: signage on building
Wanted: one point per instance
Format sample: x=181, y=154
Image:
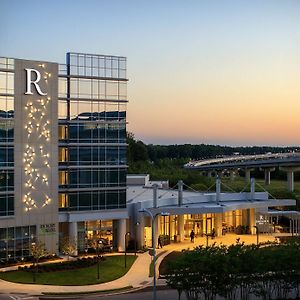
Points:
x=47, y=229
x=30, y=82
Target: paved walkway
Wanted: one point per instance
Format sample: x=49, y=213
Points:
x=137, y=276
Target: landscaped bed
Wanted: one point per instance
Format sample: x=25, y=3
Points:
x=111, y=268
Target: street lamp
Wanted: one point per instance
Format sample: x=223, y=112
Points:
x=127, y=233
x=135, y=240
x=153, y=217
x=257, y=234
x=99, y=246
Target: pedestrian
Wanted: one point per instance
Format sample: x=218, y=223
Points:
x=213, y=234
x=192, y=236
x=159, y=242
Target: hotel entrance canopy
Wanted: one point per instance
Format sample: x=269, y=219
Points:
x=200, y=203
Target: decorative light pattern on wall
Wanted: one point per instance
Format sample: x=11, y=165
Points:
x=35, y=157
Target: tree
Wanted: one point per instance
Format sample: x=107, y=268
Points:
x=68, y=246
x=38, y=251
x=137, y=150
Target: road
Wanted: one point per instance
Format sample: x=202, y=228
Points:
x=161, y=295
x=17, y=297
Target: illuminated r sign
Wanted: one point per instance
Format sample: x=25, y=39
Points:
x=29, y=82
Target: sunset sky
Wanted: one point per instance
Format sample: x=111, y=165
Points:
x=219, y=72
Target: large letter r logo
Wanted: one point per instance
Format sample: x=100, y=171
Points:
x=29, y=82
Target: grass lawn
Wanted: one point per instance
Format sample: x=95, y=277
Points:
x=110, y=269
x=167, y=260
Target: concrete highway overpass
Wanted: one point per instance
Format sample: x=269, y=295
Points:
x=288, y=162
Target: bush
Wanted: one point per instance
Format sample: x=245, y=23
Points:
x=65, y=265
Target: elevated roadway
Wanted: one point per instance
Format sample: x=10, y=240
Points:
x=288, y=162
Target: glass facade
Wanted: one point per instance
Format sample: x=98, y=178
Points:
x=15, y=242
x=6, y=136
x=92, y=132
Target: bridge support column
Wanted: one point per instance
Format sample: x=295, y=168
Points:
x=219, y=174
x=209, y=174
x=232, y=174
x=248, y=174
x=267, y=174
x=290, y=176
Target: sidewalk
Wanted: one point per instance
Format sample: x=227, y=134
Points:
x=137, y=276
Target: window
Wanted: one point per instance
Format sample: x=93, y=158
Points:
x=63, y=154
x=6, y=83
x=63, y=177
x=63, y=201
x=63, y=132
x=62, y=87
x=15, y=242
x=6, y=205
x=62, y=110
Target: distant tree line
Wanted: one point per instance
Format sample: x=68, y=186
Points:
x=166, y=161
x=138, y=151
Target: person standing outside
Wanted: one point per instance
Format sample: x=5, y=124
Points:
x=192, y=236
x=160, y=242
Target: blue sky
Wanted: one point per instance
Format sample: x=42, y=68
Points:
x=200, y=71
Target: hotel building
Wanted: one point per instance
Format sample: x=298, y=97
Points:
x=62, y=152
x=63, y=166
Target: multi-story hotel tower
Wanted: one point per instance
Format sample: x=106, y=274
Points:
x=62, y=152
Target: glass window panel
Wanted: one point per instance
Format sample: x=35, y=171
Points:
x=88, y=61
x=102, y=89
x=10, y=83
x=115, y=63
x=74, y=87
x=73, y=132
x=112, y=89
x=85, y=87
x=112, y=200
x=95, y=88
x=85, y=200
x=85, y=154
x=108, y=63
x=62, y=110
x=122, y=199
x=122, y=90
x=122, y=73
x=73, y=201
x=112, y=111
x=62, y=87
x=81, y=60
x=115, y=73
x=95, y=62
x=112, y=155
x=73, y=110
x=84, y=110
x=85, y=178
x=102, y=62
x=122, y=158
x=122, y=63
x=3, y=82
x=73, y=154
x=88, y=71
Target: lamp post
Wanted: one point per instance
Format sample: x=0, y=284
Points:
x=257, y=234
x=127, y=233
x=153, y=217
x=135, y=240
x=99, y=246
